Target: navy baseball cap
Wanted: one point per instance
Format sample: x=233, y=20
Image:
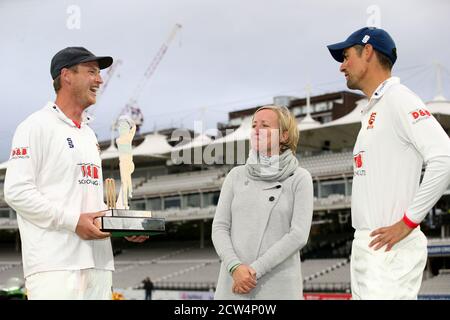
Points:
x=71, y=56
x=378, y=38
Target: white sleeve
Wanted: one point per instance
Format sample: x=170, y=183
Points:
x=21, y=192
x=417, y=126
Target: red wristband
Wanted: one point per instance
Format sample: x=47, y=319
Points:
x=409, y=223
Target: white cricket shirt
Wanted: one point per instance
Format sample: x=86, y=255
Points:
x=397, y=136
x=54, y=174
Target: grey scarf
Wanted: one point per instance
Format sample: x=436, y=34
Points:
x=273, y=168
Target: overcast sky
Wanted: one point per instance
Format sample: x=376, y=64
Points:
x=229, y=55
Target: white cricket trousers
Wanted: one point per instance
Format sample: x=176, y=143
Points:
x=393, y=275
x=85, y=284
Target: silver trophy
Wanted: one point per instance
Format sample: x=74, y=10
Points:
x=120, y=220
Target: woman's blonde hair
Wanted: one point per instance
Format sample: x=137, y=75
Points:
x=287, y=123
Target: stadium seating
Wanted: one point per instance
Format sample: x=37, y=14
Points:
x=328, y=163
x=181, y=182
x=174, y=214
x=184, y=266
x=436, y=287
x=333, y=201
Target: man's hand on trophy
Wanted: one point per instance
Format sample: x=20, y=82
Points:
x=139, y=239
x=88, y=228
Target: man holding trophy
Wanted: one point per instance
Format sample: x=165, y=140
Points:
x=54, y=182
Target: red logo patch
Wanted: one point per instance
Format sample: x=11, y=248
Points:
x=89, y=170
x=90, y=174
x=358, y=160
x=20, y=153
x=420, y=114
x=371, y=120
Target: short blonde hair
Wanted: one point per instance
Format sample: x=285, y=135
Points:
x=287, y=123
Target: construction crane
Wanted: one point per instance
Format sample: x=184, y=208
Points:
x=131, y=108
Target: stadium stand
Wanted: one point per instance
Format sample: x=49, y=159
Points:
x=436, y=287
x=328, y=164
x=190, y=181
x=187, y=196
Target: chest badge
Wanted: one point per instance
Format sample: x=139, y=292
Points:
x=70, y=142
x=371, y=122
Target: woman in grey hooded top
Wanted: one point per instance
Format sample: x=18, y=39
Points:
x=264, y=214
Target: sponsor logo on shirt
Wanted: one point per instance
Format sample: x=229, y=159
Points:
x=371, y=120
x=89, y=174
x=358, y=164
x=419, y=115
x=20, y=153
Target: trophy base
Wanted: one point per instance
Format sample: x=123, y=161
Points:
x=124, y=223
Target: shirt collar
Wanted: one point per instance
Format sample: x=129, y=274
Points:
x=384, y=86
x=85, y=117
x=380, y=91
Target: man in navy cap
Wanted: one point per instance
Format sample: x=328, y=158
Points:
x=398, y=135
x=54, y=182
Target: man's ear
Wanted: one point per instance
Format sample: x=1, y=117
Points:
x=368, y=52
x=65, y=76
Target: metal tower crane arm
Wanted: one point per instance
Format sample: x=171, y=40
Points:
x=131, y=107
x=154, y=64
